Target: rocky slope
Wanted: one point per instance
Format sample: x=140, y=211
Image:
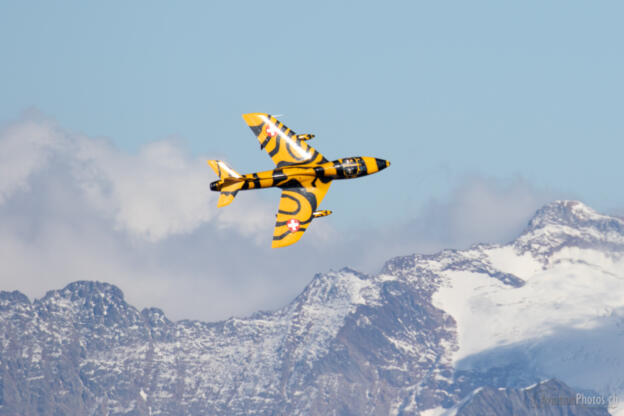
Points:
x=458, y=332
x=549, y=398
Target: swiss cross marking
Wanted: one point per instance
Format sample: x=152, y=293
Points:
x=271, y=130
x=293, y=224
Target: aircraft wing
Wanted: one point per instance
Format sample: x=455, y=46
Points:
x=294, y=214
x=281, y=143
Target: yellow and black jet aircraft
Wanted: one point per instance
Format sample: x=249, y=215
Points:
x=303, y=174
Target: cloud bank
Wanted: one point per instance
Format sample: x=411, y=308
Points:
x=74, y=207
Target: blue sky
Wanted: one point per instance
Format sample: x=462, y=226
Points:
x=441, y=89
x=526, y=97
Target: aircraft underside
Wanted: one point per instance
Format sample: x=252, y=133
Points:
x=303, y=174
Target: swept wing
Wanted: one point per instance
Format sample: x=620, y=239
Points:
x=281, y=143
x=295, y=212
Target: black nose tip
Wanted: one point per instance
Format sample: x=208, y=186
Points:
x=382, y=164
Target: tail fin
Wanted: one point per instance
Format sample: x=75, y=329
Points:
x=230, y=181
x=223, y=170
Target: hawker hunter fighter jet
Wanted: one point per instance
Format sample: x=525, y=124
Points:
x=303, y=174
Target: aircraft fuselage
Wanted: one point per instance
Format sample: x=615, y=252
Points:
x=290, y=176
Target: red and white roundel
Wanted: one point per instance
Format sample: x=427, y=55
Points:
x=271, y=130
x=293, y=224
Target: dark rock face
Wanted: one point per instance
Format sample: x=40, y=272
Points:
x=349, y=344
x=84, y=350
x=550, y=398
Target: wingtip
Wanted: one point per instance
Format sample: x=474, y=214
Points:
x=253, y=119
x=278, y=244
x=283, y=243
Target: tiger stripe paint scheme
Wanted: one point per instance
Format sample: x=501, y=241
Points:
x=281, y=143
x=303, y=174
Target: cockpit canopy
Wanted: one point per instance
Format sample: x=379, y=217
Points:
x=352, y=166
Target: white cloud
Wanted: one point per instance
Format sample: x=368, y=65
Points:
x=25, y=147
x=155, y=194
x=484, y=210
x=74, y=207
x=478, y=210
x=152, y=195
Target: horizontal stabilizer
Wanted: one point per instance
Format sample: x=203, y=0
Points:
x=229, y=184
x=228, y=192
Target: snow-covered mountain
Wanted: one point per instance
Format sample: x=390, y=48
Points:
x=535, y=326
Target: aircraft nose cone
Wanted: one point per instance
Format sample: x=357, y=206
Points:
x=382, y=164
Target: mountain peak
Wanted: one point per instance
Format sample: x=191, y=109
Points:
x=570, y=223
x=14, y=297
x=83, y=288
x=459, y=331
x=90, y=303
x=563, y=212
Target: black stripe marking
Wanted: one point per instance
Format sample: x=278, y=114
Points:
x=287, y=233
x=381, y=164
x=256, y=129
x=265, y=142
x=317, y=154
x=291, y=153
x=291, y=183
x=363, y=169
x=276, y=149
x=279, y=176
x=296, y=211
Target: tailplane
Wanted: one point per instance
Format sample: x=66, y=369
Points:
x=229, y=183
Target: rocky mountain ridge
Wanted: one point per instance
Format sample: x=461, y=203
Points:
x=420, y=337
